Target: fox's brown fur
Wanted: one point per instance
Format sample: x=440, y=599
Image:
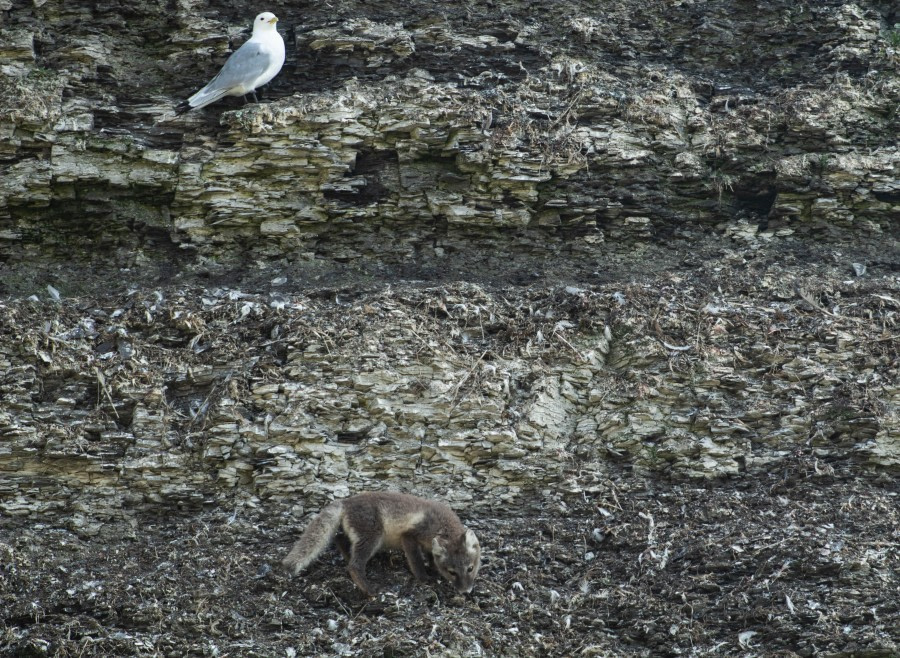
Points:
x=385, y=520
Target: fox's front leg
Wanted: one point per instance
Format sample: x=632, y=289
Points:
x=414, y=559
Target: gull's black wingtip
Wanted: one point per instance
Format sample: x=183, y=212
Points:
x=182, y=107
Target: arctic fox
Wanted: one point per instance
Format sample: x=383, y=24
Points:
x=385, y=520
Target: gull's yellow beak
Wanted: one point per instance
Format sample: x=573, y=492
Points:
x=273, y=20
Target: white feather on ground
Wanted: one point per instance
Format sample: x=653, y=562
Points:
x=249, y=67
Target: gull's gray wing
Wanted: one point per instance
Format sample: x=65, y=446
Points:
x=244, y=66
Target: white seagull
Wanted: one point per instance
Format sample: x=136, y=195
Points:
x=249, y=67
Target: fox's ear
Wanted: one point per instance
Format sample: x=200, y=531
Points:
x=472, y=545
x=437, y=549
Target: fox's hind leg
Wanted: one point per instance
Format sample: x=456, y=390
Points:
x=343, y=544
x=361, y=552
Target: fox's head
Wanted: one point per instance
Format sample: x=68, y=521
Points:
x=458, y=559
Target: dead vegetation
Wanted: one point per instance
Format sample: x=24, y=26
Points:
x=795, y=564
x=32, y=98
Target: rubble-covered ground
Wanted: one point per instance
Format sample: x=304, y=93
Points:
x=797, y=563
x=598, y=552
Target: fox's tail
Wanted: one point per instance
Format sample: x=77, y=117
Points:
x=315, y=538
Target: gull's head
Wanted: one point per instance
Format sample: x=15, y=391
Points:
x=265, y=21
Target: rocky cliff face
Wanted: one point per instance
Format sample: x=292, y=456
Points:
x=407, y=135
x=499, y=252
x=668, y=144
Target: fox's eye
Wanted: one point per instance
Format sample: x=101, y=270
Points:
x=452, y=572
x=470, y=569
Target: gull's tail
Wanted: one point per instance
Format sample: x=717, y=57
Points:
x=206, y=96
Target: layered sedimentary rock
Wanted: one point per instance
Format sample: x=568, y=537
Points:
x=399, y=139
x=680, y=220
x=162, y=400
